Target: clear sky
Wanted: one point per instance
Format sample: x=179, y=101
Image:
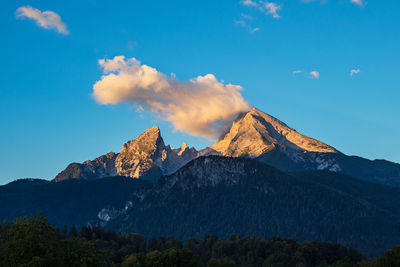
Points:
x=49, y=65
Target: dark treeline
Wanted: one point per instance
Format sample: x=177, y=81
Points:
x=34, y=242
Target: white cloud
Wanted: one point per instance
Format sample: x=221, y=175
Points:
x=246, y=25
x=354, y=72
x=202, y=106
x=315, y=74
x=248, y=3
x=271, y=9
x=245, y=16
x=357, y=2
x=311, y=1
x=45, y=19
x=297, y=72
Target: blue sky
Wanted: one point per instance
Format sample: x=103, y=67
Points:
x=49, y=117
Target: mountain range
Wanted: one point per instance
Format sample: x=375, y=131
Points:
x=261, y=178
x=253, y=134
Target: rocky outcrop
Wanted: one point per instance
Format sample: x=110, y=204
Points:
x=140, y=155
x=148, y=153
x=146, y=157
x=255, y=132
x=103, y=166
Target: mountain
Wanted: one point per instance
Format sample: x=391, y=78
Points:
x=381, y=196
x=103, y=166
x=260, y=178
x=72, y=202
x=224, y=196
x=256, y=134
x=146, y=157
x=253, y=134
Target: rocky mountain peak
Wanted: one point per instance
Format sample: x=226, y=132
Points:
x=148, y=141
x=140, y=155
x=145, y=157
x=148, y=153
x=255, y=132
x=183, y=148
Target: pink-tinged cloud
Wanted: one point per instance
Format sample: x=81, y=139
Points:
x=248, y=3
x=314, y=74
x=357, y=2
x=202, y=106
x=295, y=72
x=45, y=19
x=354, y=72
x=247, y=26
x=272, y=9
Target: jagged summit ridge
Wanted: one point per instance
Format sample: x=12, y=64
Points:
x=140, y=155
x=145, y=155
x=252, y=134
x=255, y=133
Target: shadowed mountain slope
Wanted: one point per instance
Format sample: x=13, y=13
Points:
x=224, y=196
x=70, y=202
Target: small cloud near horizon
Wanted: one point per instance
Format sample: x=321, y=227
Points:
x=47, y=19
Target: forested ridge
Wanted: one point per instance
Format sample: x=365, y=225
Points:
x=33, y=241
x=220, y=196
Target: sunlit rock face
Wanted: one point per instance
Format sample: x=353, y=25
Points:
x=255, y=133
x=147, y=152
x=147, y=157
x=139, y=156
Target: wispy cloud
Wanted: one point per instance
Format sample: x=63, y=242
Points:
x=354, y=72
x=245, y=24
x=249, y=3
x=314, y=74
x=297, y=72
x=46, y=19
x=357, y=2
x=245, y=16
x=268, y=8
x=271, y=9
x=311, y=1
x=202, y=106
